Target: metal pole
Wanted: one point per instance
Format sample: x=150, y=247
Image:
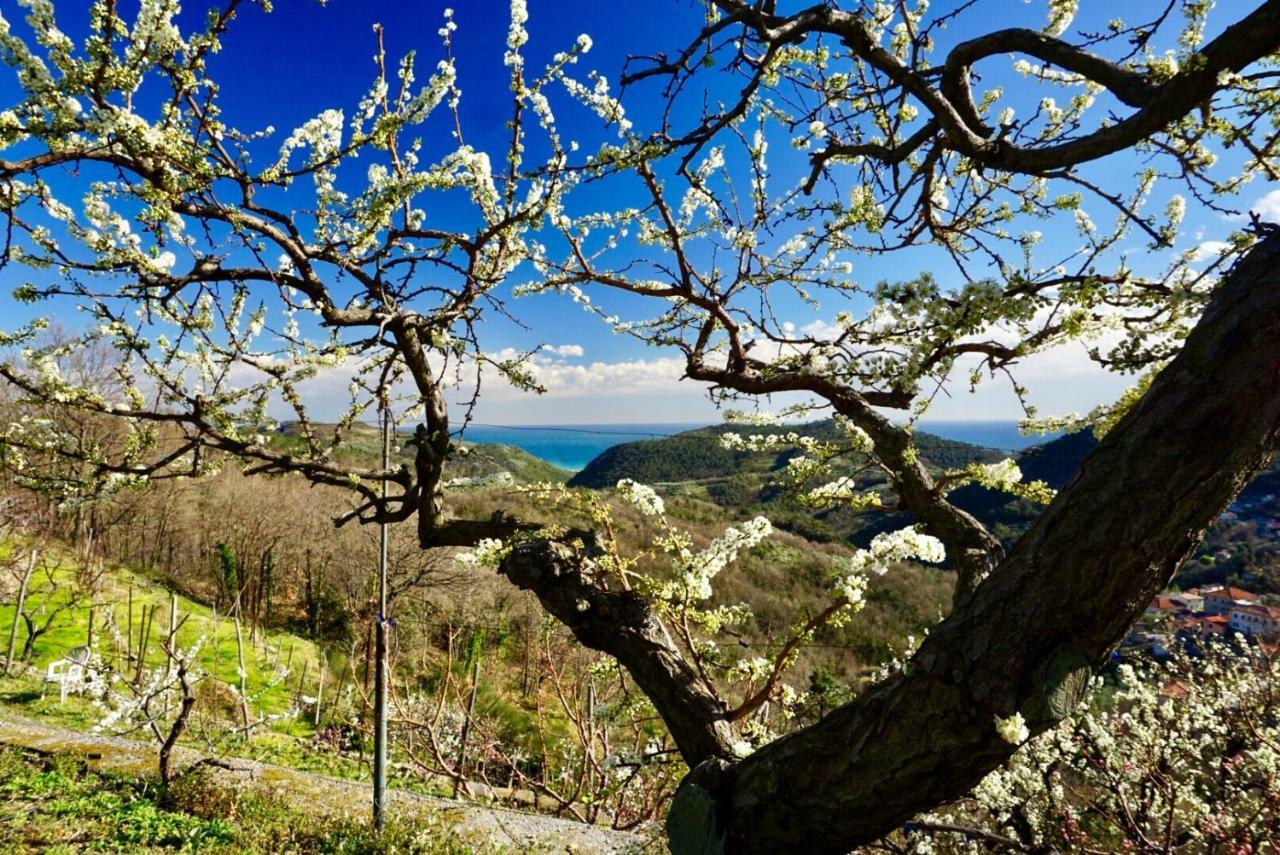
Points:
x=380, y=650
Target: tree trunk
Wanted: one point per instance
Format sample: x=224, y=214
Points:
x=17, y=612
x=1033, y=633
x=179, y=722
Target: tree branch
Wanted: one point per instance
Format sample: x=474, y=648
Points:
x=974, y=550
x=623, y=625
x=1252, y=38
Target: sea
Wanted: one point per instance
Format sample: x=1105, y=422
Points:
x=573, y=446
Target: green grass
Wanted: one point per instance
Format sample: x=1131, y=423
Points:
x=286, y=741
x=217, y=656
x=56, y=804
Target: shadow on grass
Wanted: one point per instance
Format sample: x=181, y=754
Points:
x=26, y=696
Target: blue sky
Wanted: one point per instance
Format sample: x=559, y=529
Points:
x=284, y=68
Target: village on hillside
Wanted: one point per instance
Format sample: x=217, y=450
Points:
x=1197, y=615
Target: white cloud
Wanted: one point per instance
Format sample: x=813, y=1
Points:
x=564, y=350
x=577, y=389
x=1208, y=250
x=652, y=388
x=1268, y=207
x=822, y=330
x=1059, y=380
x=562, y=379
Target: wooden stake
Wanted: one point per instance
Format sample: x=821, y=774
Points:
x=144, y=638
x=128, y=633
x=297, y=696
x=173, y=626
x=320, y=691
x=244, y=676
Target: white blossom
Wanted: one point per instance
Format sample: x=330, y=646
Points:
x=1012, y=729
x=642, y=497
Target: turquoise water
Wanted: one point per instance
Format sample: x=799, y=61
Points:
x=571, y=446
x=574, y=446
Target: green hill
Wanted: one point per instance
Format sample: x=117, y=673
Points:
x=746, y=482
x=698, y=456
x=486, y=459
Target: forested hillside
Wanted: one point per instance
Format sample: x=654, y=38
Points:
x=1242, y=547
x=698, y=455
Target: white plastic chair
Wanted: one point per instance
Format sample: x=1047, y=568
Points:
x=69, y=672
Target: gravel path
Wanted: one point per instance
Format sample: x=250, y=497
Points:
x=486, y=828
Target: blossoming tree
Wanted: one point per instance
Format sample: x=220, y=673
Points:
x=903, y=154
x=228, y=270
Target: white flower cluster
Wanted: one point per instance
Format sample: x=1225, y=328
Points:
x=144, y=704
x=751, y=417
x=900, y=545
x=642, y=497
x=853, y=588
x=857, y=437
x=697, y=196
x=769, y=442
x=842, y=491
x=751, y=670
x=885, y=549
x=489, y=552
x=598, y=99
x=1061, y=14
x=517, y=35
x=1184, y=756
x=696, y=570
x=1012, y=729
x=1007, y=476
x=999, y=475
x=833, y=492
x=323, y=135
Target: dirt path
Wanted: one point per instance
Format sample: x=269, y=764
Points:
x=487, y=828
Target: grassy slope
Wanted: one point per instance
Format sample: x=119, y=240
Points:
x=285, y=739
x=217, y=655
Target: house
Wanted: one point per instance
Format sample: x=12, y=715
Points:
x=1166, y=604
x=1142, y=641
x=1220, y=601
x=1179, y=605
x=1217, y=625
x=1193, y=599
x=1256, y=620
